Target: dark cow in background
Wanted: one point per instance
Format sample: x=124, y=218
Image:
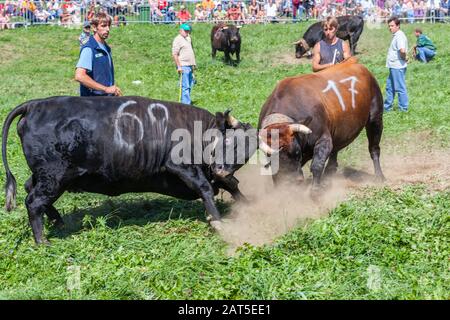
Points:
x=226, y=38
x=317, y=115
x=116, y=145
x=350, y=28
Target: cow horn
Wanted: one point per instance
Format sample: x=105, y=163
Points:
x=232, y=121
x=238, y=27
x=297, y=42
x=224, y=28
x=296, y=127
x=265, y=148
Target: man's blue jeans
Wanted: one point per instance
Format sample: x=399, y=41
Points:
x=187, y=81
x=396, y=84
x=424, y=54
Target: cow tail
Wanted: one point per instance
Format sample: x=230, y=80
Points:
x=10, y=186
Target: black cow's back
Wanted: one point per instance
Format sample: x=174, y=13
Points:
x=107, y=145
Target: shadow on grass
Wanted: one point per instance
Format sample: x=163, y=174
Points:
x=125, y=212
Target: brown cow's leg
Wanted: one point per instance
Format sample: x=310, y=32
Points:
x=322, y=151
x=332, y=164
x=374, y=130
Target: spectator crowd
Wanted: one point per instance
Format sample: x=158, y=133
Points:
x=65, y=12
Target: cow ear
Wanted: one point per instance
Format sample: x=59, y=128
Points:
x=220, y=121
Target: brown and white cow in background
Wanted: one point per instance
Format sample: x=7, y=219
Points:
x=317, y=115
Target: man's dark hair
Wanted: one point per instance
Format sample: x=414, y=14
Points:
x=395, y=19
x=418, y=30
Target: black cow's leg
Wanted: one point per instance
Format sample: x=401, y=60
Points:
x=231, y=185
x=38, y=201
x=227, y=57
x=195, y=179
x=213, y=53
x=238, y=55
x=332, y=164
x=52, y=213
x=322, y=151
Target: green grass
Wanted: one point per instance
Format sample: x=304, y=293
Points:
x=380, y=244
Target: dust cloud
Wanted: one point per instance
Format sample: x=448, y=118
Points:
x=272, y=212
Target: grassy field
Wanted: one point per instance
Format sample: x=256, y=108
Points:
x=385, y=242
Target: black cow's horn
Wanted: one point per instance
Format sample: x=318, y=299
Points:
x=232, y=121
x=297, y=127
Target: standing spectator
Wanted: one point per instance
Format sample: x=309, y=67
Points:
x=331, y=49
x=443, y=10
x=4, y=20
x=424, y=50
x=95, y=68
x=271, y=11
x=253, y=9
x=297, y=6
x=85, y=34
x=183, y=55
x=396, y=61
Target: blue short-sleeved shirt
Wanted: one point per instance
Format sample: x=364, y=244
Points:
x=85, y=60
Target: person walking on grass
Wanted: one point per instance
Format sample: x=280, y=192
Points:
x=396, y=61
x=95, y=68
x=183, y=55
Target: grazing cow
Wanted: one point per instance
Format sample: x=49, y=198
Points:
x=317, y=115
x=116, y=145
x=226, y=38
x=350, y=28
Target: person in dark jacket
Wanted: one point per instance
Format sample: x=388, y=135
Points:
x=95, y=68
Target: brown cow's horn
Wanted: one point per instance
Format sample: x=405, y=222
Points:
x=297, y=42
x=265, y=148
x=296, y=127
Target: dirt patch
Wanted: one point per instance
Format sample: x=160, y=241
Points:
x=272, y=212
x=289, y=59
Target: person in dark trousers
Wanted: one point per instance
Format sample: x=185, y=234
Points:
x=95, y=67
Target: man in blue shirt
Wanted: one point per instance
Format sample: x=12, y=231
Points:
x=95, y=68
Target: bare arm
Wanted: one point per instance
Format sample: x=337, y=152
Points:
x=82, y=77
x=316, y=66
x=177, y=62
x=403, y=54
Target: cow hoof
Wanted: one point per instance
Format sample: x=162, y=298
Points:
x=379, y=179
x=316, y=192
x=216, y=225
x=59, y=224
x=43, y=241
